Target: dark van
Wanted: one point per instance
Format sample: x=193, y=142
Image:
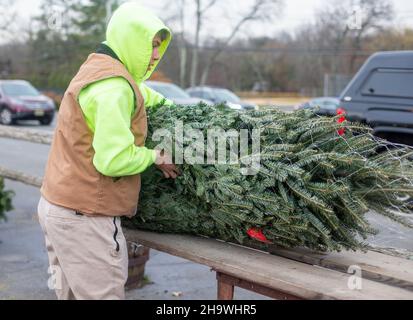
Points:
x=381, y=96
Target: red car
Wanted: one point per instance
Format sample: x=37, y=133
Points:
x=19, y=100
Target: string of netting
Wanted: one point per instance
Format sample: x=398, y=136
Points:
x=391, y=150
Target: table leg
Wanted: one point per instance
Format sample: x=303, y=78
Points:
x=225, y=289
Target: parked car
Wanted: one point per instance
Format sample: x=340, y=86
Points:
x=221, y=95
x=326, y=106
x=381, y=95
x=175, y=93
x=19, y=100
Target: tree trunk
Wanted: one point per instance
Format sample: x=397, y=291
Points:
x=183, y=49
x=195, y=51
x=205, y=74
x=182, y=71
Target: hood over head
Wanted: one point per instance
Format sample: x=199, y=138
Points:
x=130, y=34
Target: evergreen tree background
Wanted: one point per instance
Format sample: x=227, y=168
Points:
x=63, y=35
x=313, y=189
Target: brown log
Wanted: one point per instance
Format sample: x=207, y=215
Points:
x=30, y=135
x=21, y=177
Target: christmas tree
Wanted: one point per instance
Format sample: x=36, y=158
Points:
x=5, y=200
x=316, y=180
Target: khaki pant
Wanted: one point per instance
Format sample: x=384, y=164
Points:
x=88, y=255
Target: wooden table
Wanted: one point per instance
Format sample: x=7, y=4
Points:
x=289, y=274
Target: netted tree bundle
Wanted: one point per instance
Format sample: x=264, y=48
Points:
x=5, y=200
x=315, y=183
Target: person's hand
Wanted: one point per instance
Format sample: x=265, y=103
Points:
x=165, y=164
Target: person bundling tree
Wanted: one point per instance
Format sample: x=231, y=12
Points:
x=93, y=173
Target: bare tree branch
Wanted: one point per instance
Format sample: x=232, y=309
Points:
x=254, y=13
x=8, y=16
x=208, y=6
x=376, y=12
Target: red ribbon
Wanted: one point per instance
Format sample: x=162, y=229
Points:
x=342, y=112
x=258, y=235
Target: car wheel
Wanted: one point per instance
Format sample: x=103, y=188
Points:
x=6, y=117
x=46, y=121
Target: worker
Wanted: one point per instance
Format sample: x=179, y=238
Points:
x=93, y=172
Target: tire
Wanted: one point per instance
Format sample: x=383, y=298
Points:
x=6, y=117
x=46, y=121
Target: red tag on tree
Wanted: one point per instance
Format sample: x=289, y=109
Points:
x=258, y=235
x=342, y=112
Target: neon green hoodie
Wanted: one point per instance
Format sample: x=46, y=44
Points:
x=108, y=105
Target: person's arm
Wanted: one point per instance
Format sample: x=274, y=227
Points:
x=108, y=107
x=153, y=98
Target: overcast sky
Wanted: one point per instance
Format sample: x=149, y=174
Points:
x=295, y=13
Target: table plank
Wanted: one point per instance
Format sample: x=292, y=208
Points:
x=291, y=277
x=375, y=266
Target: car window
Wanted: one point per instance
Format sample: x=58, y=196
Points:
x=196, y=93
x=331, y=105
x=394, y=83
x=19, y=89
x=169, y=91
x=207, y=95
x=226, y=95
x=315, y=103
x=325, y=103
x=318, y=102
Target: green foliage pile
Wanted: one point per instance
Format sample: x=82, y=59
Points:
x=5, y=200
x=313, y=189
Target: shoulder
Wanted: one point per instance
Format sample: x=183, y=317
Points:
x=117, y=86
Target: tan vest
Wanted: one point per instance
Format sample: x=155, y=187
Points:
x=71, y=180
